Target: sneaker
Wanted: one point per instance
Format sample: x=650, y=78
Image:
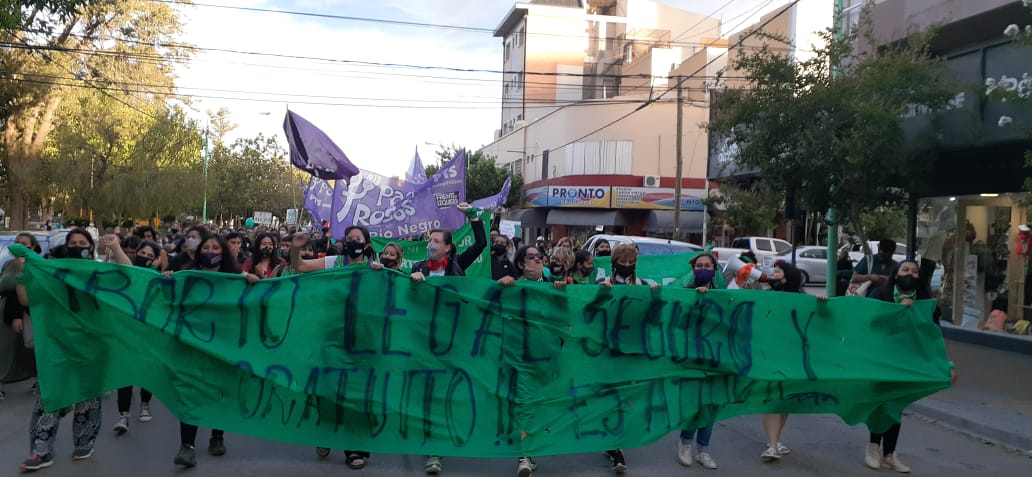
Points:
x=433, y=465
x=770, y=455
x=216, y=446
x=82, y=454
x=145, y=415
x=892, y=462
x=122, y=426
x=706, y=461
x=617, y=459
x=783, y=449
x=3, y=395
x=36, y=462
x=525, y=467
x=684, y=452
x=873, y=456
x=187, y=456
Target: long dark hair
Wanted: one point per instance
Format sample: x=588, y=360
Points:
x=923, y=291
x=793, y=277
x=228, y=263
x=33, y=243
x=521, y=256
x=367, y=252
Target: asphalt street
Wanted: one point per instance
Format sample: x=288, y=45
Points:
x=821, y=446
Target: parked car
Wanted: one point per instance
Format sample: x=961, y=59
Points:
x=646, y=245
x=811, y=260
x=763, y=247
x=46, y=241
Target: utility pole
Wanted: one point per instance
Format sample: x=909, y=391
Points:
x=830, y=282
x=680, y=160
x=204, y=210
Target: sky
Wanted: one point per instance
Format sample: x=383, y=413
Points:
x=378, y=115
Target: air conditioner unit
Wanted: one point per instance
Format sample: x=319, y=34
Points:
x=651, y=181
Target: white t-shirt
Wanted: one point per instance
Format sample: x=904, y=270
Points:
x=438, y=273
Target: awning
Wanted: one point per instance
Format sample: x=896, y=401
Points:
x=663, y=221
x=586, y=217
x=532, y=217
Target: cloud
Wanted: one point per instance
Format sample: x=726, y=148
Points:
x=440, y=106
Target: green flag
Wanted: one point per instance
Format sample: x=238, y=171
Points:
x=460, y=366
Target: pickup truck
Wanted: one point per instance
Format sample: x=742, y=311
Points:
x=763, y=247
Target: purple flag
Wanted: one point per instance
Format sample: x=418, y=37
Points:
x=312, y=151
x=416, y=173
x=394, y=208
x=497, y=200
x=319, y=199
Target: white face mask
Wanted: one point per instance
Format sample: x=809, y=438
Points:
x=192, y=243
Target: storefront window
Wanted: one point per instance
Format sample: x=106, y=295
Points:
x=981, y=279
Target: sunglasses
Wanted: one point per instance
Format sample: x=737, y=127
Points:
x=535, y=256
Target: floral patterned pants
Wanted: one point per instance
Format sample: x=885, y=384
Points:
x=43, y=427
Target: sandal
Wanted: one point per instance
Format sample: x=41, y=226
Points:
x=355, y=460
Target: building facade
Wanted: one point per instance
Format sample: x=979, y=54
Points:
x=968, y=214
x=589, y=114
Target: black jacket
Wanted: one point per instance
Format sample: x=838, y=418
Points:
x=457, y=265
x=502, y=267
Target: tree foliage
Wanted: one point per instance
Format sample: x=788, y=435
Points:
x=483, y=177
x=251, y=174
x=751, y=209
x=836, y=140
x=66, y=57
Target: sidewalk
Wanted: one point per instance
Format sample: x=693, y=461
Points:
x=992, y=399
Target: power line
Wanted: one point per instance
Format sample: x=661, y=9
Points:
x=702, y=20
x=681, y=80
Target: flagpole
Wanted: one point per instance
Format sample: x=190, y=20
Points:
x=204, y=210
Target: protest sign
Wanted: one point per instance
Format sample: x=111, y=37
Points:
x=360, y=358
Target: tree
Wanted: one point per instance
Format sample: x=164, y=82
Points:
x=16, y=15
x=251, y=174
x=122, y=49
x=483, y=177
x=750, y=209
x=835, y=140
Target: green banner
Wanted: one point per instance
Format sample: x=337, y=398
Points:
x=415, y=251
x=365, y=359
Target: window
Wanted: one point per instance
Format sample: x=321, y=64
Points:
x=764, y=245
x=817, y=253
x=740, y=243
x=781, y=247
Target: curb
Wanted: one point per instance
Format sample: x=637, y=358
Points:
x=979, y=430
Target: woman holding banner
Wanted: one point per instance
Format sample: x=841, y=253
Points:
x=86, y=424
x=904, y=287
x=212, y=255
x=358, y=250
x=444, y=261
x=704, y=268
x=785, y=278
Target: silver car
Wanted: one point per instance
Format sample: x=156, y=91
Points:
x=812, y=262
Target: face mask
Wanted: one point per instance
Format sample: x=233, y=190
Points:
x=498, y=250
x=354, y=248
x=307, y=256
x=143, y=262
x=211, y=260
x=267, y=252
x=77, y=252
x=435, y=251
x=586, y=270
x=703, y=276
x=623, y=270
x=389, y=262
x=777, y=286
x=605, y=253
x=192, y=243
x=557, y=270
x=906, y=282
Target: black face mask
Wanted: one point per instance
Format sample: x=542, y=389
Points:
x=498, y=250
x=77, y=252
x=906, y=282
x=143, y=262
x=586, y=270
x=307, y=256
x=777, y=286
x=266, y=252
x=388, y=262
x=623, y=270
x=557, y=270
x=605, y=253
x=354, y=248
